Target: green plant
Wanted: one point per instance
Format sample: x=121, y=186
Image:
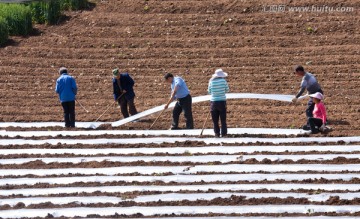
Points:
x=74, y=4
x=48, y=12
x=38, y=10
x=4, y=31
x=53, y=12
x=18, y=18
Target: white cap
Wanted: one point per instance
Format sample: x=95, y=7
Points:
x=219, y=73
x=317, y=95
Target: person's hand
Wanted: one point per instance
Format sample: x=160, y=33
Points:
x=166, y=106
x=294, y=100
x=322, y=128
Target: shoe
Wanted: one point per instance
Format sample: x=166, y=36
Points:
x=174, y=128
x=217, y=135
x=224, y=136
x=315, y=132
x=306, y=127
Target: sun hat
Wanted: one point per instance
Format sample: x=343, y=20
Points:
x=115, y=72
x=63, y=70
x=317, y=95
x=219, y=73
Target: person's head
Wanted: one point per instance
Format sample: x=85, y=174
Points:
x=219, y=73
x=299, y=71
x=63, y=70
x=317, y=97
x=116, y=73
x=169, y=78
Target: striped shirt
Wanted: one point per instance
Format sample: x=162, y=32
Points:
x=218, y=87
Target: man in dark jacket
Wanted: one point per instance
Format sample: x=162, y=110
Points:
x=123, y=86
x=67, y=89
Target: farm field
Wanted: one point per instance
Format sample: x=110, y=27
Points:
x=186, y=178
x=266, y=167
x=191, y=39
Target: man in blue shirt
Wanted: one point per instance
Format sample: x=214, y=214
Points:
x=123, y=87
x=67, y=89
x=181, y=93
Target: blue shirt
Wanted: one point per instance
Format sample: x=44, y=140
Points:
x=66, y=88
x=182, y=91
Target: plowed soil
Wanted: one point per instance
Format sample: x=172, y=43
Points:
x=189, y=38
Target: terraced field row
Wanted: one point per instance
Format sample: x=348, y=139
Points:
x=190, y=176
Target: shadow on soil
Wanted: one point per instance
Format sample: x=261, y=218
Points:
x=338, y=122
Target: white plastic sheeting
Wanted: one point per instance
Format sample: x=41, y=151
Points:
x=200, y=159
x=62, y=200
x=268, y=217
x=171, y=197
x=185, y=169
x=278, y=97
x=177, y=188
x=178, y=178
x=48, y=124
x=158, y=140
x=210, y=196
x=194, y=132
x=181, y=150
x=149, y=211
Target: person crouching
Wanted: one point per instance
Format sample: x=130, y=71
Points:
x=318, y=121
x=217, y=88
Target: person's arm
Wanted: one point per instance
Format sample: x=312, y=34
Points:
x=301, y=91
x=172, y=98
x=227, y=89
x=74, y=86
x=209, y=87
x=57, y=87
x=115, y=89
x=323, y=113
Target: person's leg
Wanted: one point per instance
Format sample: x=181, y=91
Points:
x=72, y=113
x=313, y=122
x=124, y=107
x=310, y=108
x=176, y=114
x=215, y=118
x=132, y=108
x=222, y=111
x=186, y=104
x=65, y=106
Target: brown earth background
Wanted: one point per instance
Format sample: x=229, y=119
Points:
x=191, y=39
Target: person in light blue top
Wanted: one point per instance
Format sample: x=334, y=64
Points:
x=181, y=93
x=66, y=89
x=218, y=87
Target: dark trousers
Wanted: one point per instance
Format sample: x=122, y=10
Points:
x=310, y=106
x=183, y=104
x=124, y=104
x=69, y=113
x=218, y=111
x=315, y=122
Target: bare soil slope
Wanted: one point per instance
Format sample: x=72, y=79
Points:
x=189, y=38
